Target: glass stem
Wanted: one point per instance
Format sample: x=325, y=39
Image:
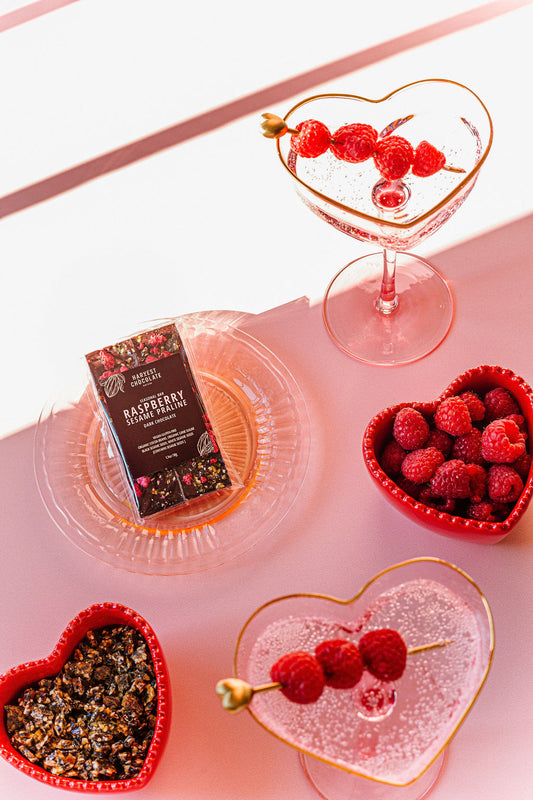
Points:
x=387, y=301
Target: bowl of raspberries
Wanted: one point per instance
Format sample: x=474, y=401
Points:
x=461, y=464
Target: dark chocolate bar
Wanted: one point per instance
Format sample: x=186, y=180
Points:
x=159, y=422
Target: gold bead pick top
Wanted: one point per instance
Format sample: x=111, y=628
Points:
x=237, y=694
x=273, y=127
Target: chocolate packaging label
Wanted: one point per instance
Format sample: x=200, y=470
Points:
x=158, y=419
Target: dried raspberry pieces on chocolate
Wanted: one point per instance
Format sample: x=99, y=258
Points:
x=354, y=143
x=341, y=662
x=384, y=654
x=300, y=675
x=312, y=140
x=410, y=428
x=393, y=157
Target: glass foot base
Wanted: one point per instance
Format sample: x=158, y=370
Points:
x=417, y=326
x=332, y=783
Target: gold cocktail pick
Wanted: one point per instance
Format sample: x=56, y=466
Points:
x=237, y=694
x=273, y=126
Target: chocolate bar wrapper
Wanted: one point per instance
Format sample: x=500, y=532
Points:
x=146, y=389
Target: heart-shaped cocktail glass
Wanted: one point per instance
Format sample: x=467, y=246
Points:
x=379, y=740
x=390, y=307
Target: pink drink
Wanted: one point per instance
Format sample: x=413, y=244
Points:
x=432, y=697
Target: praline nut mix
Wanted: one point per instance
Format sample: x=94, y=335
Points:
x=151, y=400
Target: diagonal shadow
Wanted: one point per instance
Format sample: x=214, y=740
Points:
x=222, y=115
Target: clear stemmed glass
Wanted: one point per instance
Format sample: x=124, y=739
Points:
x=390, y=307
x=350, y=746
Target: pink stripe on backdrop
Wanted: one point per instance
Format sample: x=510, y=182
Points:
x=30, y=11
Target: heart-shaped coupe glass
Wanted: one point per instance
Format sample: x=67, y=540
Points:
x=391, y=307
x=481, y=379
x=379, y=740
x=100, y=703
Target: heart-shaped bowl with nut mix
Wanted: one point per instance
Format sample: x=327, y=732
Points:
x=94, y=715
x=500, y=425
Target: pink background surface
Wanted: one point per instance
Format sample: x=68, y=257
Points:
x=252, y=248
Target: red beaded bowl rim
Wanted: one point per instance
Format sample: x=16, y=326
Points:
x=17, y=678
x=470, y=175
x=484, y=377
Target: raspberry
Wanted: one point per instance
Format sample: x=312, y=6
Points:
x=409, y=487
x=486, y=511
x=502, y=442
x=442, y=441
x=107, y=360
x=341, y=662
x=312, y=140
x=475, y=404
x=427, y=160
x=452, y=416
x=520, y=421
x=384, y=654
x=410, y=428
x=522, y=465
x=446, y=504
x=300, y=675
x=478, y=482
x=391, y=458
x=393, y=157
x=419, y=465
x=451, y=479
x=504, y=484
x=354, y=143
x=500, y=403
x=468, y=447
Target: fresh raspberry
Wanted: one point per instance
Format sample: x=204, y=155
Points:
x=391, y=458
x=451, y=479
x=300, y=675
x=419, y=465
x=487, y=511
x=478, y=482
x=341, y=662
x=452, y=416
x=446, y=504
x=384, y=654
x=442, y=441
x=312, y=140
x=500, y=403
x=427, y=160
x=354, y=143
x=522, y=465
x=504, y=484
x=393, y=157
x=520, y=421
x=409, y=487
x=502, y=442
x=107, y=360
x=410, y=428
x=476, y=406
x=468, y=447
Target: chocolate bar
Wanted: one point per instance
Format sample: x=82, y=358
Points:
x=150, y=398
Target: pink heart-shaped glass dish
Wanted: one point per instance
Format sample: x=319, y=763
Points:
x=428, y=602
x=378, y=434
x=382, y=188
x=45, y=686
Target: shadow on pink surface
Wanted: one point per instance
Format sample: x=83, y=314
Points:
x=214, y=118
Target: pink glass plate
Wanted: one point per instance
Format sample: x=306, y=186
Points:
x=258, y=412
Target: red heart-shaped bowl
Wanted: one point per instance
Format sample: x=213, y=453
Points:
x=379, y=431
x=18, y=678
